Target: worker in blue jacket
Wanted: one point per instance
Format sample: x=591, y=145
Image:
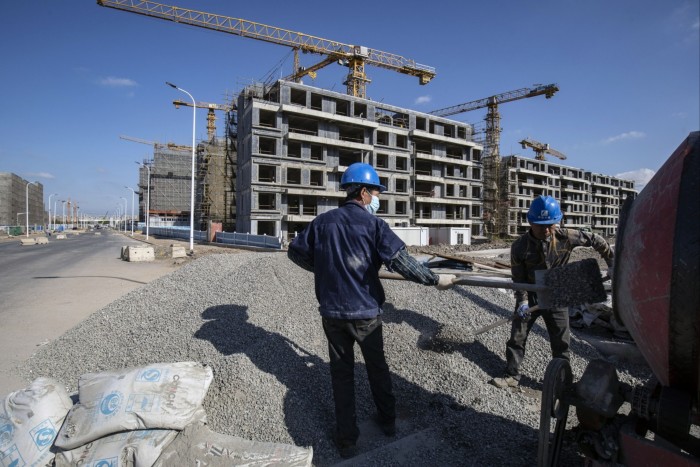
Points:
x=345, y=248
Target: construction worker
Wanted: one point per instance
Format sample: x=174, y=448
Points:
x=345, y=248
x=544, y=246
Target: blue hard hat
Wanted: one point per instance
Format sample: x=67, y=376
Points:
x=362, y=175
x=544, y=210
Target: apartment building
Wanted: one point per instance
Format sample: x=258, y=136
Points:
x=18, y=194
x=294, y=143
x=588, y=200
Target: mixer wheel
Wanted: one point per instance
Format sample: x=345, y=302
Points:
x=557, y=381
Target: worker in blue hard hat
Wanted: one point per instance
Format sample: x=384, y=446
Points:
x=345, y=248
x=545, y=245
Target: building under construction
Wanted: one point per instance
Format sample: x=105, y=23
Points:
x=16, y=194
x=287, y=145
x=170, y=173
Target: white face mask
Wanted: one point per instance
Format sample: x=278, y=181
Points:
x=373, y=206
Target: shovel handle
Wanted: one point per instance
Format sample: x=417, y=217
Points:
x=500, y=322
x=498, y=283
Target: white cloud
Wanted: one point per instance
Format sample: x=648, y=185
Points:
x=115, y=82
x=41, y=175
x=696, y=25
x=624, y=136
x=423, y=100
x=640, y=177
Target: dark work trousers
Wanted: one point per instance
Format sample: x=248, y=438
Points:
x=342, y=335
x=557, y=322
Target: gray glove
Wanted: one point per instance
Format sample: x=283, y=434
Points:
x=445, y=281
x=522, y=310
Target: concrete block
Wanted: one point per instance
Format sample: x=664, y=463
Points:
x=42, y=240
x=28, y=241
x=140, y=253
x=61, y=237
x=178, y=251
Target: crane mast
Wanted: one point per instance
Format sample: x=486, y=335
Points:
x=355, y=57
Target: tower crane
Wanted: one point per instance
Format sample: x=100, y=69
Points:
x=211, y=116
x=354, y=56
x=495, y=218
x=541, y=149
x=493, y=118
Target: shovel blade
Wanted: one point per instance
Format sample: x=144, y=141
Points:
x=571, y=285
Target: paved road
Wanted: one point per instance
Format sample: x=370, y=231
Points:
x=47, y=289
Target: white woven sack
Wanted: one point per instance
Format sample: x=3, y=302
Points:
x=198, y=445
x=139, y=448
x=29, y=421
x=160, y=395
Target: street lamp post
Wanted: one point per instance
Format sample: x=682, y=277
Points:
x=148, y=195
x=63, y=219
x=133, y=193
x=27, y=206
x=54, y=211
x=54, y=214
x=194, y=114
x=124, y=213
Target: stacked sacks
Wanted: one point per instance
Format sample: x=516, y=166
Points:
x=134, y=417
x=131, y=415
x=162, y=395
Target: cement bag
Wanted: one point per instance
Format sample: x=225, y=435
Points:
x=198, y=445
x=138, y=448
x=29, y=421
x=160, y=395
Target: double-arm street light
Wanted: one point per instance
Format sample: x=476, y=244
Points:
x=54, y=211
x=194, y=115
x=27, y=206
x=148, y=195
x=133, y=193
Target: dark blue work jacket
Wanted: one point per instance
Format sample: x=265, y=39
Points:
x=347, y=247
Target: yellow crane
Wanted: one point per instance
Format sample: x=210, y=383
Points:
x=353, y=56
x=493, y=118
x=211, y=116
x=541, y=149
x=156, y=145
x=495, y=198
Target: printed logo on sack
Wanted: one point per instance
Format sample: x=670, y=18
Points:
x=6, y=430
x=12, y=457
x=111, y=462
x=149, y=375
x=141, y=403
x=111, y=402
x=43, y=434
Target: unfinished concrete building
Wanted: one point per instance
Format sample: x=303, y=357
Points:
x=14, y=192
x=295, y=142
x=588, y=200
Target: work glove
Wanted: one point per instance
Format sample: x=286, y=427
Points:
x=522, y=310
x=445, y=281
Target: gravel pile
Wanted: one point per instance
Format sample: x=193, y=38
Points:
x=253, y=318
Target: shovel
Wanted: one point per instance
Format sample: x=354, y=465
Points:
x=564, y=286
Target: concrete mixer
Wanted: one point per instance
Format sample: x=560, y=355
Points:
x=656, y=295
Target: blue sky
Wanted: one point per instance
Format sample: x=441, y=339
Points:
x=76, y=76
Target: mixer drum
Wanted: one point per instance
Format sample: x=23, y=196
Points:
x=656, y=283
